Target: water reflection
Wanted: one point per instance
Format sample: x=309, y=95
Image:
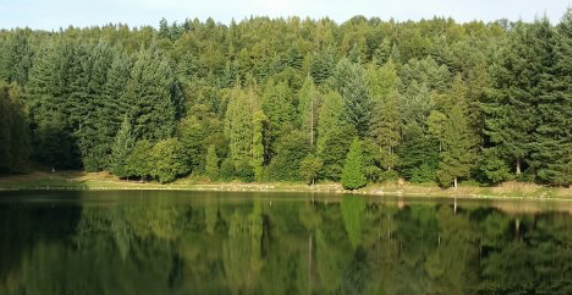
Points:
x=216, y=243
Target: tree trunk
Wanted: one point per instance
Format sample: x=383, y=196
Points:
x=455, y=181
x=518, y=167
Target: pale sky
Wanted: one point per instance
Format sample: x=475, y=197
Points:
x=53, y=14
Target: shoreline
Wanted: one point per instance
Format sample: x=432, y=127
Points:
x=73, y=180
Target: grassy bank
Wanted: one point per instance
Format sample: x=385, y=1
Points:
x=105, y=181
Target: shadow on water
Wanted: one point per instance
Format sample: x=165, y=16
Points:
x=160, y=242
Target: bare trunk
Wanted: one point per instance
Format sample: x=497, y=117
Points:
x=455, y=181
x=518, y=167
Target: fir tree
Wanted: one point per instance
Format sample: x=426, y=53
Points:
x=121, y=148
x=353, y=176
x=459, y=154
x=148, y=91
x=349, y=80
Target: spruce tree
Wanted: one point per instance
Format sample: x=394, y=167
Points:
x=148, y=91
x=353, y=175
x=121, y=148
x=348, y=79
x=459, y=149
x=386, y=121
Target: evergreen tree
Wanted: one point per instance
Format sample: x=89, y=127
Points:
x=353, y=176
x=308, y=107
x=148, y=91
x=238, y=124
x=140, y=162
x=279, y=108
x=552, y=142
x=121, y=149
x=512, y=104
x=260, y=126
x=14, y=131
x=459, y=154
x=349, y=80
x=385, y=125
x=211, y=169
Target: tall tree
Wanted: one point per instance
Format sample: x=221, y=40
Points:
x=511, y=107
x=307, y=107
x=459, y=149
x=121, y=148
x=353, y=174
x=349, y=80
x=148, y=91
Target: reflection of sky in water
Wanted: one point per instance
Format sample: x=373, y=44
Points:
x=244, y=243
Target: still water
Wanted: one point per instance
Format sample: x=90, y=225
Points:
x=244, y=243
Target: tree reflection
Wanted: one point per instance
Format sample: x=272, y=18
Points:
x=167, y=245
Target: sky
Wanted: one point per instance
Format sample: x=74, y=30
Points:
x=55, y=14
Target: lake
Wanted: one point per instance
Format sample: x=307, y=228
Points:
x=165, y=242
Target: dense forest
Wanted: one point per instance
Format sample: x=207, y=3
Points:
x=364, y=101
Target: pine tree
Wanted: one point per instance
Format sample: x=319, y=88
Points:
x=353, y=176
x=211, y=169
x=121, y=148
x=459, y=152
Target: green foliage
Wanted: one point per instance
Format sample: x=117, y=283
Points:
x=244, y=171
x=459, y=154
x=353, y=174
x=227, y=170
x=14, y=131
x=310, y=168
x=348, y=79
x=291, y=150
x=168, y=160
x=139, y=162
x=199, y=82
x=260, y=126
x=121, y=149
x=212, y=169
x=419, y=155
x=493, y=167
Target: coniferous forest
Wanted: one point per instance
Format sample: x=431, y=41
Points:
x=364, y=101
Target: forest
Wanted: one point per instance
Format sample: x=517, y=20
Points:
x=291, y=99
